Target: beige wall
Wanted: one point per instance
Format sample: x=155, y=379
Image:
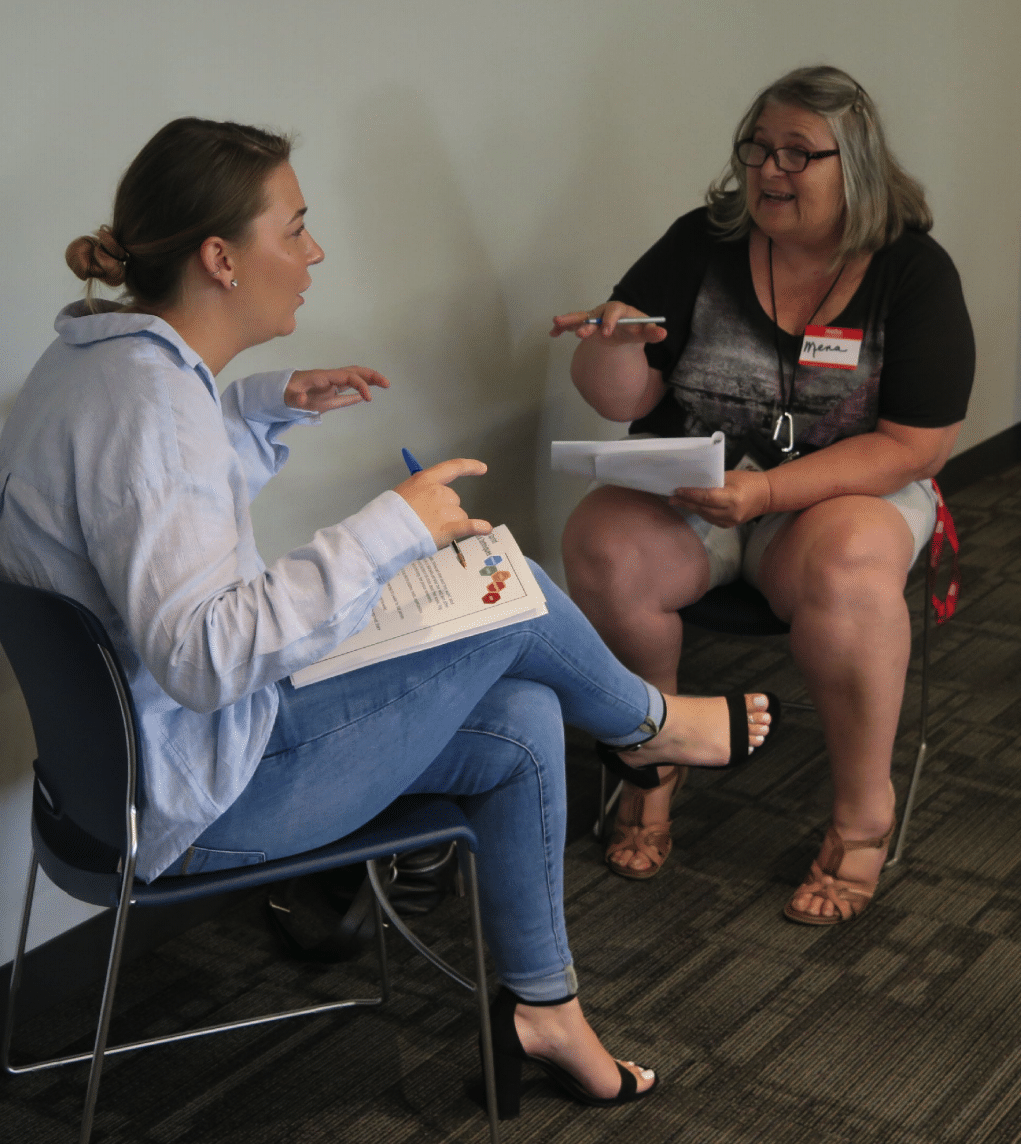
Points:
x=472, y=168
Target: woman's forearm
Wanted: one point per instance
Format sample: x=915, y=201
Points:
x=872, y=464
x=616, y=379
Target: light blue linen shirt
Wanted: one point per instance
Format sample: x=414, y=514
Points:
x=125, y=483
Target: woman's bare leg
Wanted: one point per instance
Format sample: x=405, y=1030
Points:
x=836, y=573
x=631, y=563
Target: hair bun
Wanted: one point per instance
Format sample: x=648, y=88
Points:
x=97, y=256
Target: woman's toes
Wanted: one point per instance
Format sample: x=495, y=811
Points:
x=644, y=1076
x=808, y=904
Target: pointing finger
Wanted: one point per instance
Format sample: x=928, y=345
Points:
x=447, y=471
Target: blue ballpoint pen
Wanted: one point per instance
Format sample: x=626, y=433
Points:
x=415, y=467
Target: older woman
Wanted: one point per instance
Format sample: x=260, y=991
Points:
x=810, y=317
x=125, y=483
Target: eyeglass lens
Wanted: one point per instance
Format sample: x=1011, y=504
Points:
x=790, y=159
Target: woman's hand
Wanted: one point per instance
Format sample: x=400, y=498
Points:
x=438, y=506
x=609, y=331
x=320, y=390
x=744, y=496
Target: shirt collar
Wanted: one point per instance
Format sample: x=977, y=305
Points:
x=77, y=325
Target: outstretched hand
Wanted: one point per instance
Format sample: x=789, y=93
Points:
x=439, y=507
x=609, y=312
x=744, y=496
x=320, y=390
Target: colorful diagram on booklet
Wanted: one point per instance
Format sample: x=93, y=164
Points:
x=496, y=576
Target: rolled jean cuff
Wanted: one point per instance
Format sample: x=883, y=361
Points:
x=649, y=726
x=554, y=987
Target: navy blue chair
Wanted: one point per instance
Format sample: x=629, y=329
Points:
x=84, y=824
x=739, y=609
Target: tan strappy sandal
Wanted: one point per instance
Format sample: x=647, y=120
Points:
x=652, y=840
x=849, y=896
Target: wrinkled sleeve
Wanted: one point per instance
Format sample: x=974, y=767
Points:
x=165, y=515
x=255, y=417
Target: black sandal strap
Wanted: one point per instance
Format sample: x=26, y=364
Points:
x=628, y=1084
x=645, y=778
x=738, y=713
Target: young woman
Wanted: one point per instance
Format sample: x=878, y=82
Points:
x=126, y=482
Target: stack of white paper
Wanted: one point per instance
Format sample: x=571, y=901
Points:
x=652, y=464
x=434, y=601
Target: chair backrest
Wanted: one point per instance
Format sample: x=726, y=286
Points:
x=83, y=721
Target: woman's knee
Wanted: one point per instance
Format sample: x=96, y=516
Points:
x=841, y=560
x=590, y=541
x=519, y=728
x=624, y=546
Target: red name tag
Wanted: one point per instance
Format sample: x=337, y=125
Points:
x=831, y=346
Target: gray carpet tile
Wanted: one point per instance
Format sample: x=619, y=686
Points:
x=903, y=1028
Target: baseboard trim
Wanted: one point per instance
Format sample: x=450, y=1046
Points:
x=982, y=460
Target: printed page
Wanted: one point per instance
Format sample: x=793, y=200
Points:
x=652, y=464
x=434, y=601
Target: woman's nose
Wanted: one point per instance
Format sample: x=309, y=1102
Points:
x=777, y=170
x=316, y=253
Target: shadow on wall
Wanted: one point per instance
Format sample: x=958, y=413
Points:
x=417, y=252
x=17, y=743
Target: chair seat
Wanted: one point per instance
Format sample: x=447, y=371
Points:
x=413, y=822
x=735, y=609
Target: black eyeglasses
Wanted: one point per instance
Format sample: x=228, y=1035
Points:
x=790, y=159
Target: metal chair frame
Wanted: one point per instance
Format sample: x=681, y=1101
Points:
x=768, y=624
x=410, y=824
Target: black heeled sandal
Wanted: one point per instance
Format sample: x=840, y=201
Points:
x=646, y=776
x=508, y=1057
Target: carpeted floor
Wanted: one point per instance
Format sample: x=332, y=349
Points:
x=903, y=1028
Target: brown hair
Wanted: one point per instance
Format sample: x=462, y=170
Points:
x=881, y=198
x=194, y=178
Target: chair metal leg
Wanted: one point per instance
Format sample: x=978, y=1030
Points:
x=17, y=965
x=106, y=1005
x=170, y=1038
x=606, y=804
x=398, y=924
x=481, y=993
x=923, y=747
x=381, y=956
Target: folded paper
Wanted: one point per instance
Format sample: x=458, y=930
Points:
x=652, y=464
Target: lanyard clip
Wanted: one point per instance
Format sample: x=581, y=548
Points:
x=784, y=421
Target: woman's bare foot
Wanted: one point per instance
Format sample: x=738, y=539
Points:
x=641, y=842
x=859, y=869
x=696, y=731
x=560, y=1033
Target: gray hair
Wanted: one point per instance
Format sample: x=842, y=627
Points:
x=881, y=198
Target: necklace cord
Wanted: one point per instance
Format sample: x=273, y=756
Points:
x=787, y=400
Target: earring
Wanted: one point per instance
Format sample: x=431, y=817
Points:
x=233, y=283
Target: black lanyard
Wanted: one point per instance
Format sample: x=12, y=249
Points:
x=785, y=418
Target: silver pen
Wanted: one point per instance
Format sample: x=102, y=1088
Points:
x=627, y=321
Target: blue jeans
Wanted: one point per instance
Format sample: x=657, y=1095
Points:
x=480, y=719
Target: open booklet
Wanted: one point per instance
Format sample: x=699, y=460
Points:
x=653, y=464
x=434, y=601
